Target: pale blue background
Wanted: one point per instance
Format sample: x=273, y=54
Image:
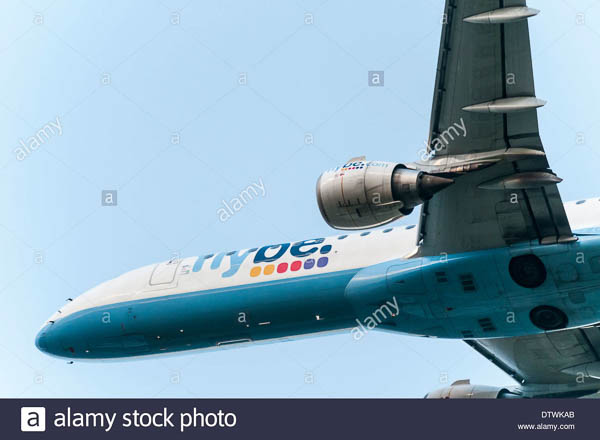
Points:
x=184, y=78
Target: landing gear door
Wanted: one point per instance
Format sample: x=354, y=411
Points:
x=164, y=273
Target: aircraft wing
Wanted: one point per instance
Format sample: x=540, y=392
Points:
x=485, y=84
x=563, y=363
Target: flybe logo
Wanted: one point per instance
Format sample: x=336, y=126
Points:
x=360, y=165
x=353, y=166
x=308, y=254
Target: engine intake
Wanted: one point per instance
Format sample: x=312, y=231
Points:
x=361, y=195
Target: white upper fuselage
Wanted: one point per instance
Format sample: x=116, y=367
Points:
x=348, y=251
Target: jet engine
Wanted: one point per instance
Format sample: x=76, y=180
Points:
x=361, y=195
x=462, y=389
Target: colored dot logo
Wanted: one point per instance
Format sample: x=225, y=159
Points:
x=269, y=268
x=295, y=266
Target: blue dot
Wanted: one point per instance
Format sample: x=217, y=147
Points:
x=325, y=249
x=322, y=262
x=308, y=264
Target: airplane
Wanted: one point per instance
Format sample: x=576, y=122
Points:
x=497, y=260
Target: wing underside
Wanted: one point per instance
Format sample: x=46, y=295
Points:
x=485, y=84
x=562, y=363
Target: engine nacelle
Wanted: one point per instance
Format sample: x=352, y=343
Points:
x=361, y=194
x=462, y=389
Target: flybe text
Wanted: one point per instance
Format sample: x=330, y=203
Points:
x=265, y=254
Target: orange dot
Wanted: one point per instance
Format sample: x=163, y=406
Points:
x=269, y=268
x=255, y=271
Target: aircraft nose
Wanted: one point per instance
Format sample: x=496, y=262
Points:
x=41, y=341
x=46, y=340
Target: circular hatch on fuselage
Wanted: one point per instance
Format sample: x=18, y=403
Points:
x=527, y=271
x=548, y=318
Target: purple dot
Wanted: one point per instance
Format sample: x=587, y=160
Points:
x=322, y=262
x=308, y=264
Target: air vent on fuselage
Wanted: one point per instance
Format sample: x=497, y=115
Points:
x=487, y=325
x=467, y=334
x=468, y=283
x=441, y=277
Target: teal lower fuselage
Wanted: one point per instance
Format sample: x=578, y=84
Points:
x=203, y=319
x=469, y=295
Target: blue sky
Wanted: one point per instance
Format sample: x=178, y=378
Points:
x=151, y=104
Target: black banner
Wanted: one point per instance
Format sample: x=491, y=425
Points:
x=298, y=418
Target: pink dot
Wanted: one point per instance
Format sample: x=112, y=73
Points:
x=296, y=265
x=282, y=267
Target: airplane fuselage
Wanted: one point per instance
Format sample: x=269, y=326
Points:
x=358, y=282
